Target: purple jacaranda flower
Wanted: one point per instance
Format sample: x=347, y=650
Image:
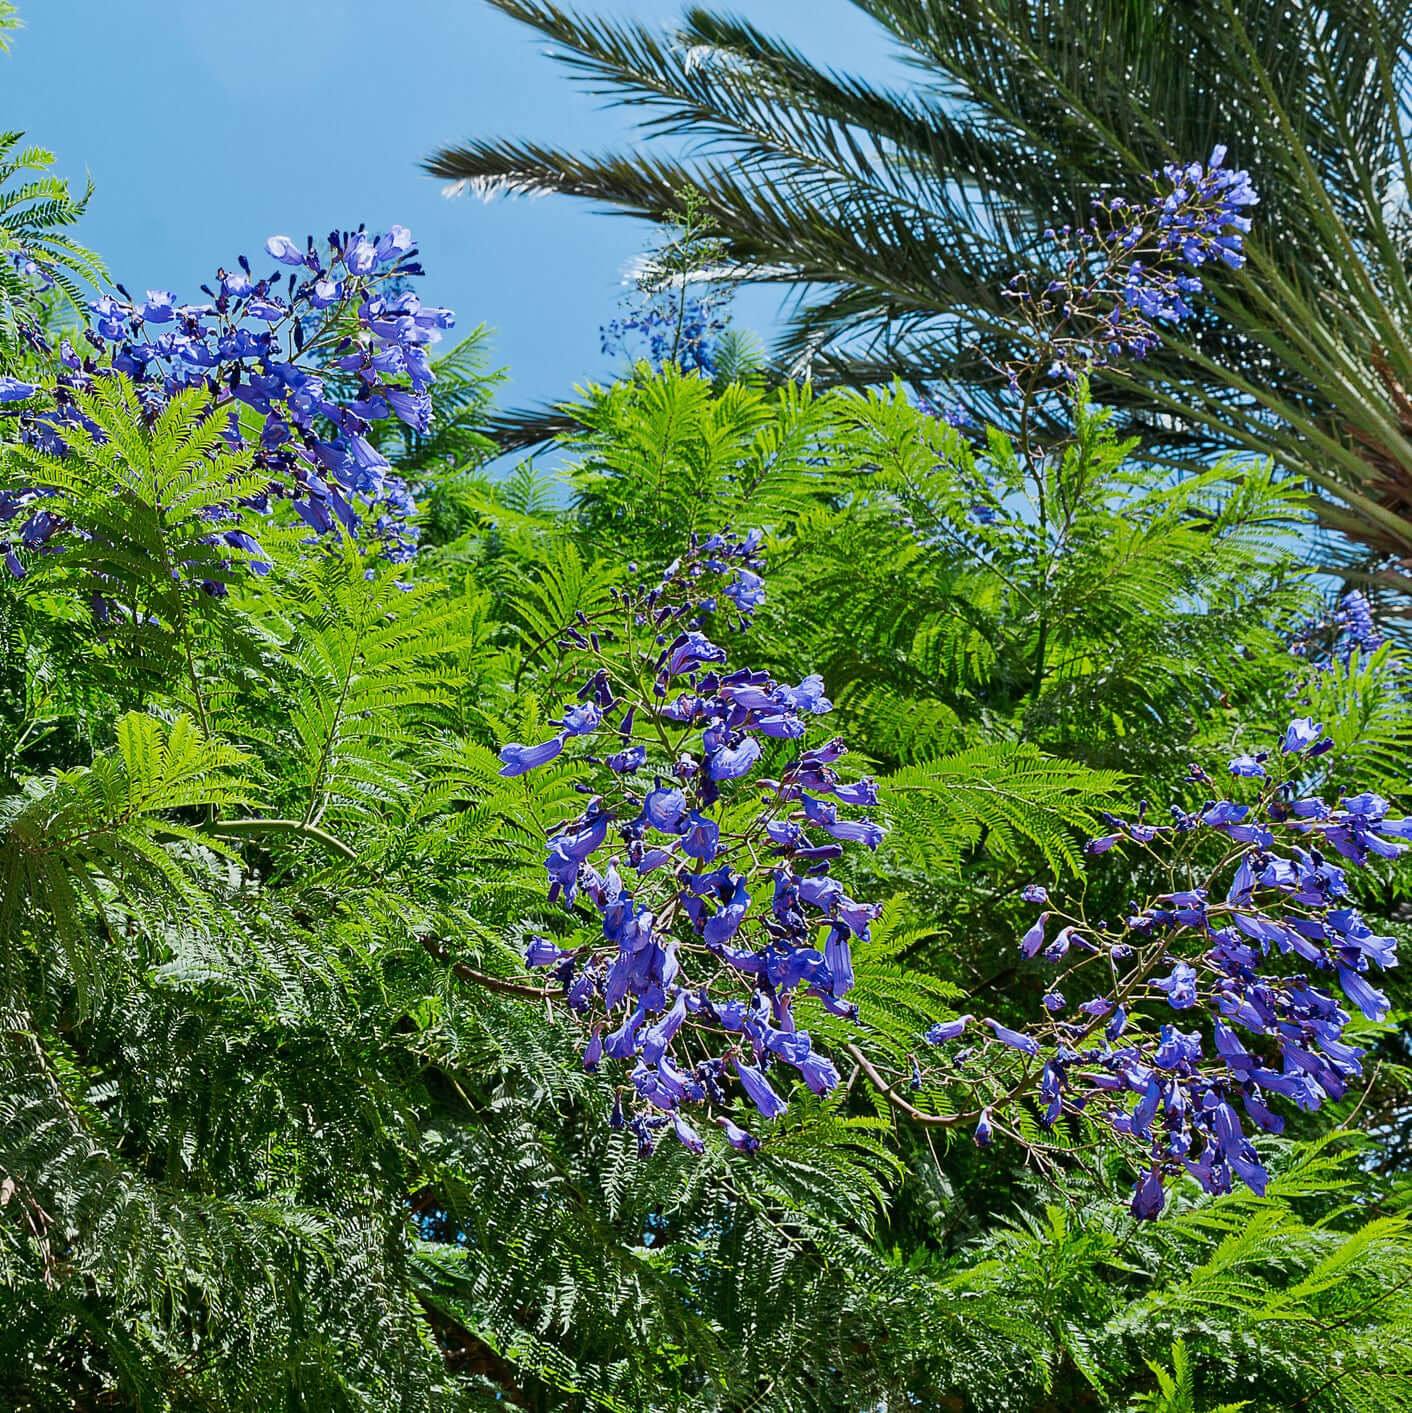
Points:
x=746, y=591
x=1099, y=1006
x=686, y=1135
x=360, y=255
x=985, y=1130
x=1247, y=1167
x=1300, y=734
x=1248, y=766
x=1177, y=1047
x=1294, y=1086
x=434, y=316
x=1372, y=1002
x=737, y=1136
x=1102, y=844
x=1356, y=934
x=1143, y=1113
x=15, y=390
x=412, y=408
x=860, y=792
x=663, y=808
x=270, y=310
x=1223, y=813
x=752, y=691
x=658, y=1036
x=568, y=849
x=326, y=293
x=731, y=762
x=593, y=1052
x=1242, y=883
x=1344, y=1058
x=1270, y=1122
x=518, y=759
x=834, y=1005
x=1230, y=1049
x=1035, y=893
x=770, y=1105
x=818, y=1072
x=723, y=925
x=1180, y=987
x=418, y=368
x=160, y=307
x=1053, y=1001
x=284, y=250
x=948, y=1030
x=111, y=322
x=800, y=964
x=1149, y=1197
x=809, y=697
x=1013, y=1038
x=654, y=859
x=857, y=831
x=701, y=838
x=582, y=719
x=1033, y=940
x=1373, y=807
x=838, y=957
x=784, y=832
x=691, y=650
x=625, y=762
x=579, y=994
x=1051, y=1091
x=396, y=241
x=623, y=1041
x=541, y=952
x=856, y=916
x=1269, y=933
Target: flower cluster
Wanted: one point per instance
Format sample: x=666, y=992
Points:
x=303, y=360
x=665, y=331
x=1335, y=636
x=954, y=413
x=710, y=883
x=1223, y=993
x=1132, y=268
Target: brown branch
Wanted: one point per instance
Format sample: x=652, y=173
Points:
x=479, y=978
x=898, y=1102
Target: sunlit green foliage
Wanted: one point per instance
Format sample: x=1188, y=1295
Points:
x=284, y=1124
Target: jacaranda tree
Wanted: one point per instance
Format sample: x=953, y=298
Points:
x=828, y=906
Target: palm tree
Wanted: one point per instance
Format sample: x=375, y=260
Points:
x=896, y=215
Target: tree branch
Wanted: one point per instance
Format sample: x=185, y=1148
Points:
x=480, y=978
x=237, y=827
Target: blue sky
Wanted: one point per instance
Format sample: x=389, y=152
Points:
x=208, y=127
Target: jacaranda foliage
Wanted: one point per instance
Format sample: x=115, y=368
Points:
x=817, y=905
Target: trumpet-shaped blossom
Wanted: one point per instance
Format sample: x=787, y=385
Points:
x=15, y=389
x=1301, y=733
x=517, y=759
